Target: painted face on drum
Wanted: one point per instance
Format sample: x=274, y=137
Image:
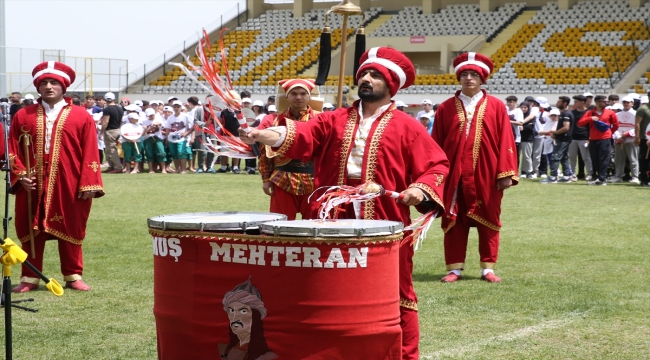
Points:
x=241, y=318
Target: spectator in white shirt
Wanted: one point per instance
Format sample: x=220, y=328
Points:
x=179, y=128
x=624, y=143
x=516, y=119
x=427, y=105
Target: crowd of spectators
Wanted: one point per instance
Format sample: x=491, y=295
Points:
x=598, y=139
x=591, y=138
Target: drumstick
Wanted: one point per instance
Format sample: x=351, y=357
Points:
x=378, y=189
x=242, y=123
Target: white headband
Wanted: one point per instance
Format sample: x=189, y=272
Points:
x=51, y=70
x=372, y=58
x=471, y=60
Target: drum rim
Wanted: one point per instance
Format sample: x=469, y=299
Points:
x=394, y=228
x=199, y=226
x=303, y=240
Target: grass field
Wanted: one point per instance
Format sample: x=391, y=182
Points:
x=574, y=263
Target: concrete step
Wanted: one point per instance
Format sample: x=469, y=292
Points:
x=490, y=48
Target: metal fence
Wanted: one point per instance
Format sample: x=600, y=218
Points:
x=93, y=74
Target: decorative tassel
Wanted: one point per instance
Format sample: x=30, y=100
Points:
x=359, y=48
x=325, y=56
x=419, y=226
x=335, y=197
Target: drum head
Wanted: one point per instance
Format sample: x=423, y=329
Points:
x=213, y=221
x=131, y=131
x=333, y=228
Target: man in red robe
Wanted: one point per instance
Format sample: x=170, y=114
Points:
x=372, y=141
x=65, y=174
x=474, y=130
x=287, y=181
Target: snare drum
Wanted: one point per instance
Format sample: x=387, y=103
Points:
x=300, y=290
x=225, y=222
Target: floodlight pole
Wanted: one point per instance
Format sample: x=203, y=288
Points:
x=3, y=50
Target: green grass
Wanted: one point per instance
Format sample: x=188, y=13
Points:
x=573, y=258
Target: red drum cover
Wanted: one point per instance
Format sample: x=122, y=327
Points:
x=285, y=297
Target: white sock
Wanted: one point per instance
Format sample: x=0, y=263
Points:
x=235, y=167
x=487, y=271
x=457, y=272
x=224, y=167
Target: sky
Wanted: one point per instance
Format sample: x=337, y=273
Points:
x=137, y=30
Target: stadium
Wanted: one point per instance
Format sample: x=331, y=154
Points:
x=539, y=48
x=573, y=257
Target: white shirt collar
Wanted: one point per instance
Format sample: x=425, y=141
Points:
x=470, y=99
x=377, y=113
x=57, y=106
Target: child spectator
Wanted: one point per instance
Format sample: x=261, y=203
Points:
x=153, y=141
x=132, y=149
x=179, y=128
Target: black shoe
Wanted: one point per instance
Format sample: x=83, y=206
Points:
x=222, y=170
x=236, y=171
x=251, y=171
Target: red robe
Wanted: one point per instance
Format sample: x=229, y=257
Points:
x=72, y=166
x=399, y=154
x=477, y=160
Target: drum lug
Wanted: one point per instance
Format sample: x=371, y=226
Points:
x=276, y=231
x=202, y=226
x=164, y=225
x=315, y=232
x=391, y=229
x=243, y=226
x=359, y=232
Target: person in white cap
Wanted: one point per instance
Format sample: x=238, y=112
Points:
x=372, y=141
x=246, y=103
x=590, y=100
x=400, y=105
x=474, y=130
x=641, y=139
x=328, y=107
x=272, y=109
x=624, y=147
x=547, y=143
x=152, y=141
x=540, y=164
x=28, y=100
x=427, y=109
x=111, y=123
x=66, y=176
x=179, y=128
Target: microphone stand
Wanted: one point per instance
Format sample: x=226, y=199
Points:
x=13, y=254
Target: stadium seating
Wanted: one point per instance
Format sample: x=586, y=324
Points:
x=642, y=85
x=264, y=50
x=585, y=48
x=452, y=20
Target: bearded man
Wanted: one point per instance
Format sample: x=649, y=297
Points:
x=372, y=141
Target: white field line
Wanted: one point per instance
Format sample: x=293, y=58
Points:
x=517, y=334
